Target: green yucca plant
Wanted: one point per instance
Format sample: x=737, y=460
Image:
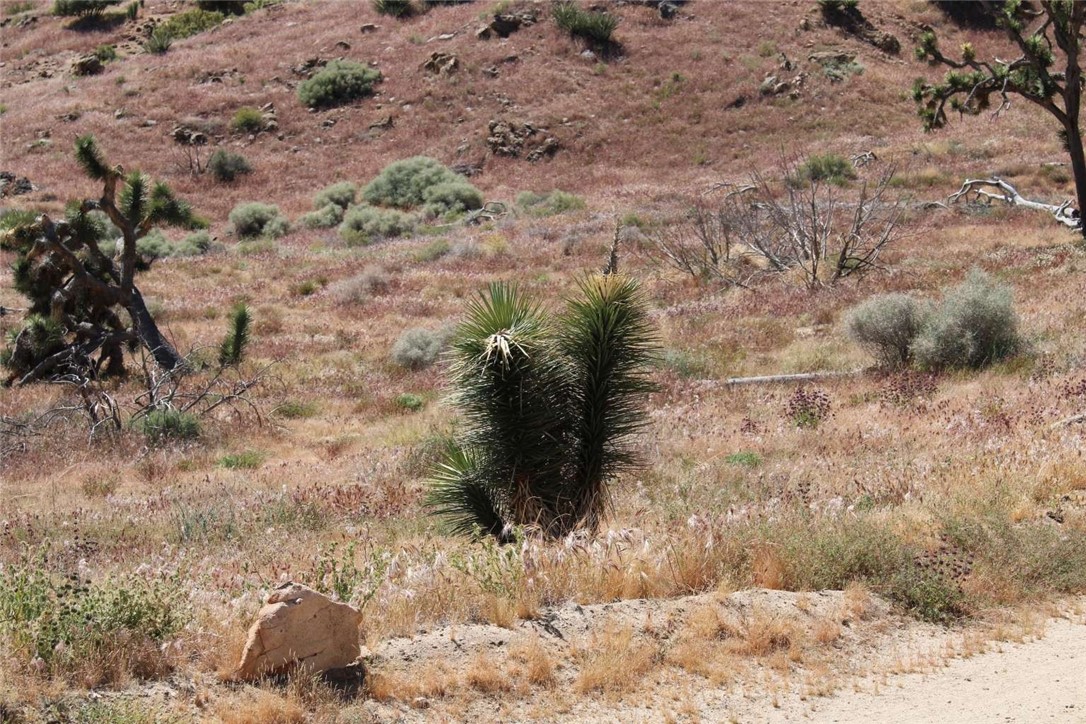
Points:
x=233, y=345
x=549, y=408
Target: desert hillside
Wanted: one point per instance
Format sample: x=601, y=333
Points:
x=768, y=542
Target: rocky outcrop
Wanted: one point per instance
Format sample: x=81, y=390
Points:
x=505, y=24
x=509, y=138
x=300, y=629
x=443, y=64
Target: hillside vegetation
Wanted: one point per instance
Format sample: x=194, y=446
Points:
x=935, y=475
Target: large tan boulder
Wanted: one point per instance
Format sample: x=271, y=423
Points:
x=300, y=629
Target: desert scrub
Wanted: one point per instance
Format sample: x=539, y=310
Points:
x=325, y=217
x=357, y=289
x=341, y=194
x=158, y=42
x=161, y=426
x=422, y=182
x=82, y=8
x=556, y=202
x=827, y=167
x=363, y=225
x=226, y=166
x=247, y=120
x=394, y=8
x=974, y=326
x=97, y=633
x=191, y=22
x=887, y=326
x=155, y=245
x=591, y=26
x=417, y=348
x=550, y=404
x=339, y=82
x=254, y=219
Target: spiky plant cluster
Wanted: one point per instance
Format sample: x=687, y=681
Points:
x=233, y=345
x=549, y=405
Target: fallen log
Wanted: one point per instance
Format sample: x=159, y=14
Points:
x=800, y=377
x=975, y=188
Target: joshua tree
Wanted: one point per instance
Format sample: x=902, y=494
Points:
x=76, y=291
x=549, y=408
x=1042, y=37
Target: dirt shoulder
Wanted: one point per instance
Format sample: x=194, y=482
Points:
x=1038, y=681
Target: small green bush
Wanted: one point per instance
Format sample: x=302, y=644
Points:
x=432, y=251
x=974, y=326
x=417, y=348
x=297, y=410
x=744, y=459
x=556, y=202
x=82, y=8
x=422, y=182
x=165, y=425
x=247, y=120
x=394, y=8
x=410, y=402
x=357, y=289
x=248, y=460
x=232, y=348
x=132, y=10
x=828, y=167
x=592, y=26
x=256, y=219
x=226, y=166
x=339, y=82
x=191, y=22
x=16, y=217
x=62, y=622
x=341, y=194
x=887, y=326
x=105, y=53
x=159, y=42
x=326, y=217
x=364, y=225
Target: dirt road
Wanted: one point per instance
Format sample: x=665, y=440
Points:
x=1040, y=681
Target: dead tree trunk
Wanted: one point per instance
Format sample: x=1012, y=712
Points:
x=975, y=188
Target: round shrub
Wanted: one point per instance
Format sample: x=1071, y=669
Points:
x=341, y=194
x=417, y=349
x=974, y=326
x=163, y=425
x=254, y=218
x=364, y=225
x=887, y=326
x=226, y=166
x=405, y=184
x=247, y=120
x=325, y=217
x=339, y=82
x=556, y=202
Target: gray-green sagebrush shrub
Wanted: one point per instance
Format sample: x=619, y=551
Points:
x=417, y=348
x=555, y=202
x=325, y=217
x=341, y=194
x=887, y=326
x=422, y=182
x=256, y=219
x=591, y=26
x=226, y=166
x=363, y=225
x=974, y=326
x=339, y=82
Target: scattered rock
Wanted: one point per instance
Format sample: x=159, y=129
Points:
x=299, y=628
x=466, y=169
x=87, y=65
x=12, y=185
x=369, y=28
x=832, y=57
x=188, y=136
x=505, y=24
x=382, y=124
x=588, y=55
x=343, y=45
x=69, y=117
x=309, y=66
x=509, y=138
x=739, y=102
x=443, y=64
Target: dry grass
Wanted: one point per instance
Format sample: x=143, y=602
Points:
x=848, y=505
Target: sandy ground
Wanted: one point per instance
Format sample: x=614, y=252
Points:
x=1040, y=681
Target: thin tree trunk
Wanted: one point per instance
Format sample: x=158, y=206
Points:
x=164, y=353
x=1078, y=168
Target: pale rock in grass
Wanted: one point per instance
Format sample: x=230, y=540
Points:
x=299, y=629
